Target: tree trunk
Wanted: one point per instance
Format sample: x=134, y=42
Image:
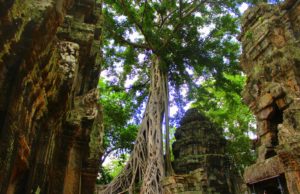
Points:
x=169, y=169
x=145, y=168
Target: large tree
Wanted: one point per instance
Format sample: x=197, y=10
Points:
x=172, y=40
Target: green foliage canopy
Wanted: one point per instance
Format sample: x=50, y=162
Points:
x=195, y=36
x=118, y=108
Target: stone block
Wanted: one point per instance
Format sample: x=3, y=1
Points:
x=266, y=113
x=168, y=181
x=261, y=153
x=263, y=127
x=263, y=170
x=281, y=103
x=276, y=90
x=266, y=139
x=284, y=133
x=264, y=101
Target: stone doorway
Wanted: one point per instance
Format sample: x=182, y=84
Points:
x=275, y=119
x=274, y=185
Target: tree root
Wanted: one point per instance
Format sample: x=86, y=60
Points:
x=145, y=168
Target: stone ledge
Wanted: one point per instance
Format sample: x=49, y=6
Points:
x=263, y=170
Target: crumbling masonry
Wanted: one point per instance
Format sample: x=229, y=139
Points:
x=271, y=60
x=200, y=163
x=50, y=121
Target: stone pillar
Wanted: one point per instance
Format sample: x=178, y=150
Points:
x=270, y=40
x=49, y=68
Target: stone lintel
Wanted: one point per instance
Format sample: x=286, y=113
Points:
x=74, y=31
x=266, y=169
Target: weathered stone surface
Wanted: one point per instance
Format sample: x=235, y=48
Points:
x=199, y=157
x=264, y=170
x=198, y=142
x=48, y=108
x=265, y=100
x=270, y=40
x=195, y=182
x=266, y=113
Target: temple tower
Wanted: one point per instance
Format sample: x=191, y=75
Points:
x=199, y=157
x=270, y=39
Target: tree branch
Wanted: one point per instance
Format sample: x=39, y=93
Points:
x=135, y=45
x=164, y=19
x=121, y=39
x=137, y=24
x=107, y=153
x=188, y=11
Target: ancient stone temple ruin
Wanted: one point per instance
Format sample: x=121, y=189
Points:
x=271, y=61
x=49, y=69
x=199, y=160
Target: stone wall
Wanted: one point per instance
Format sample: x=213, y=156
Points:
x=50, y=121
x=194, y=182
x=271, y=49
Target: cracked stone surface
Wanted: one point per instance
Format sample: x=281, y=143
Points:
x=49, y=68
x=270, y=40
